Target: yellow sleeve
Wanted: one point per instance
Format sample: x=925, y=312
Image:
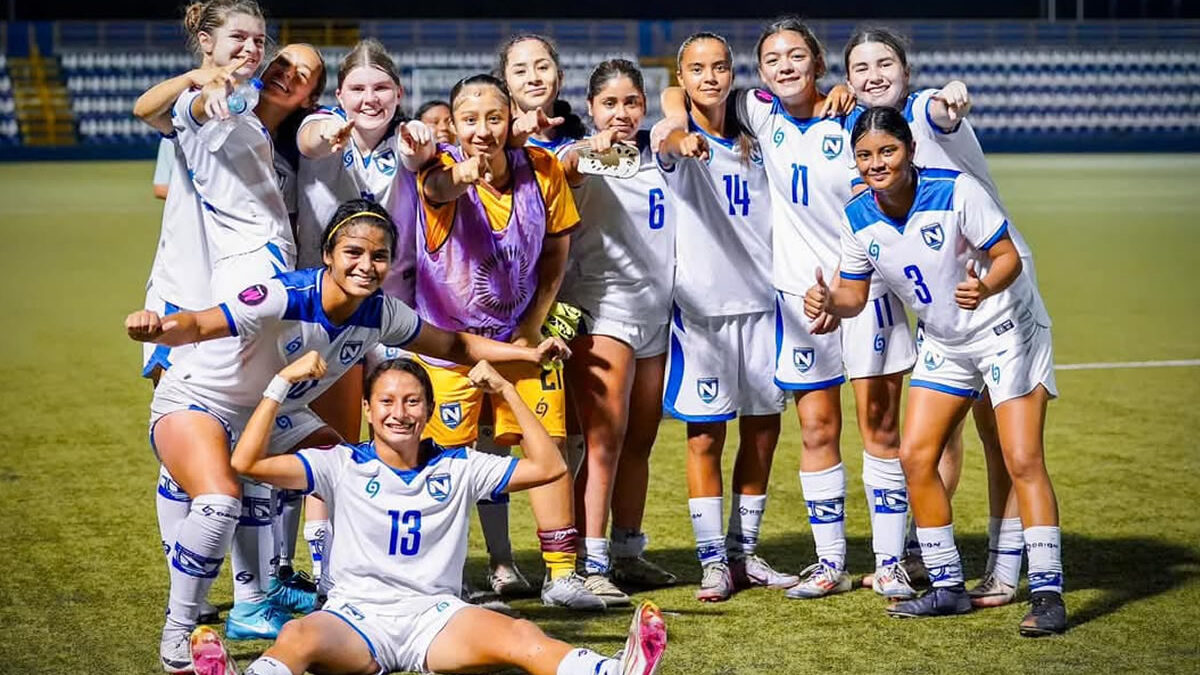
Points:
x=561, y=214
x=438, y=217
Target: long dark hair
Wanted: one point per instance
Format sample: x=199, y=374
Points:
x=885, y=119
x=358, y=212
x=746, y=143
x=572, y=126
x=793, y=24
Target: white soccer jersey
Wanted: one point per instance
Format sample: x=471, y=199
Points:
x=810, y=166
x=277, y=321
x=243, y=208
x=622, y=258
x=953, y=220
x=723, y=231
x=400, y=534
x=182, y=267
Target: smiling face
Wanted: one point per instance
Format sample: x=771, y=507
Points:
x=788, y=66
x=439, y=120
x=360, y=257
x=397, y=409
x=884, y=160
x=369, y=96
x=706, y=72
x=481, y=118
x=241, y=36
x=532, y=75
x=877, y=75
x=619, y=106
x=291, y=78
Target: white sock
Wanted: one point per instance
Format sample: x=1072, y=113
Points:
x=1005, y=548
x=706, y=525
x=940, y=555
x=196, y=557
x=172, y=505
x=576, y=449
x=316, y=533
x=825, y=495
x=493, y=515
x=627, y=542
x=1044, y=548
x=745, y=517
x=266, y=665
x=253, y=545
x=583, y=662
x=597, y=555
x=286, y=525
x=887, y=502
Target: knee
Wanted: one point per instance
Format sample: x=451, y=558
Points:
x=820, y=433
x=297, y=639
x=1025, y=465
x=917, y=461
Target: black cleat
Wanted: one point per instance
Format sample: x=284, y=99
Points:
x=1047, y=615
x=939, y=601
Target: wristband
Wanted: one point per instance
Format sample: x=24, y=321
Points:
x=277, y=390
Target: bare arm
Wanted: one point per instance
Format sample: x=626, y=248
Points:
x=154, y=106
x=551, y=266
x=322, y=138
x=445, y=183
x=177, y=329
x=469, y=349
x=543, y=463
x=844, y=300
x=1004, y=269
x=680, y=144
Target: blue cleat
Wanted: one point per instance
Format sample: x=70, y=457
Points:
x=939, y=601
x=254, y=621
x=293, y=593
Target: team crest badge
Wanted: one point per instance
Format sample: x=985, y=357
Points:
x=933, y=236
x=386, y=162
x=438, y=486
x=707, y=388
x=802, y=358
x=933, y=361
x=451, y=414
x=831, y=145
x=350, y=351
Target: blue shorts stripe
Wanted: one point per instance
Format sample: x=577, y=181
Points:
x=944, y=388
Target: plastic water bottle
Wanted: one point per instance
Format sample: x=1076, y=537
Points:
x=241, y=102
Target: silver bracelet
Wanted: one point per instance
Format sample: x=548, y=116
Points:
x=277, y=390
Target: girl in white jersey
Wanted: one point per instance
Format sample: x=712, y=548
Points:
x=401, y=507
x=203, y=403
x=720, y=362
x=939, y=239
x=620, y=275
x=530, y=66
x=877, y=69
x=810, y=171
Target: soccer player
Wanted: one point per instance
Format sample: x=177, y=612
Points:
x=809, y=169
x=490, y=259
x=620, y=275
x=401, y=508
x=435, y=114
x=201, y=404
x=877, y=69
x=721, y=360
x=941, y=242
x=530, y=66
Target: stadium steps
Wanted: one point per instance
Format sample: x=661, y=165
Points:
x=41, y=101
x=324, y=33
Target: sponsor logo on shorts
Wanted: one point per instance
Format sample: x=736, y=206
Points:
x=995, y=373
x=933, y=361
x=803, y=358
x=350, y=351
x=451, y=414
x=934, y=236
x=1003, y=327
x=253, y=295
x=438, y=486
x=707, y=388
x=831, y=146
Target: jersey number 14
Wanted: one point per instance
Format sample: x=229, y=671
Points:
x=737, y=190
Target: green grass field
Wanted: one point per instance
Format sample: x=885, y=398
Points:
x=82, y=579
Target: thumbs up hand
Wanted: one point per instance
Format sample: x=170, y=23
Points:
x=969, y=293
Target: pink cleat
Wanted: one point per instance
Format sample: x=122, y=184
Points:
x=208, y=654
x=647, y=641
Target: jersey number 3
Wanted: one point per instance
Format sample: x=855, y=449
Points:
x=409, y=542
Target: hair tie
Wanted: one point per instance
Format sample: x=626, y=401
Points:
x=350, y=217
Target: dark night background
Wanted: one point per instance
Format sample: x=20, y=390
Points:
x=619, y=9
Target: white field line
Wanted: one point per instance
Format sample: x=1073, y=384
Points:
x=1112, y=365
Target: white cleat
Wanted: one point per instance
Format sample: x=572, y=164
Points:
x=752, y=570
x=891, y=581
x=508, y=582
x=716, y=583
x=819, y=580
x=175, y=653
x=602, y=587
x=991, y=592
x=646, y=643
x=570, y=592
x=208, y=654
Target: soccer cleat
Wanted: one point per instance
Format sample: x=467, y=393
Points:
x=991, y=592
x=485, y=599
x=819, y=580
x=254, y=621
x=914, y=567
x=1047, y=615
x=602, y=587
x=891, y=581
x=938, y=601
x=508, y=582
x=569, y=592
x=175, y=653
x=639, y=572
x=294, y=593
x=752, y=570
x=208, y=654
x=208, y=613
x=717, y=583
x=646, y=643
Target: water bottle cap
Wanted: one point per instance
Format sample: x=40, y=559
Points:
x=256, y=83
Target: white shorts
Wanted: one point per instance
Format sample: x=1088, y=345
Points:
x=161, y=356
x=235, y=273
x=721, y=367
x=292, y=425
x=380, y=353
x=399, y=640
x=1009, y=368
x=876, y=342
x=647, y=340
